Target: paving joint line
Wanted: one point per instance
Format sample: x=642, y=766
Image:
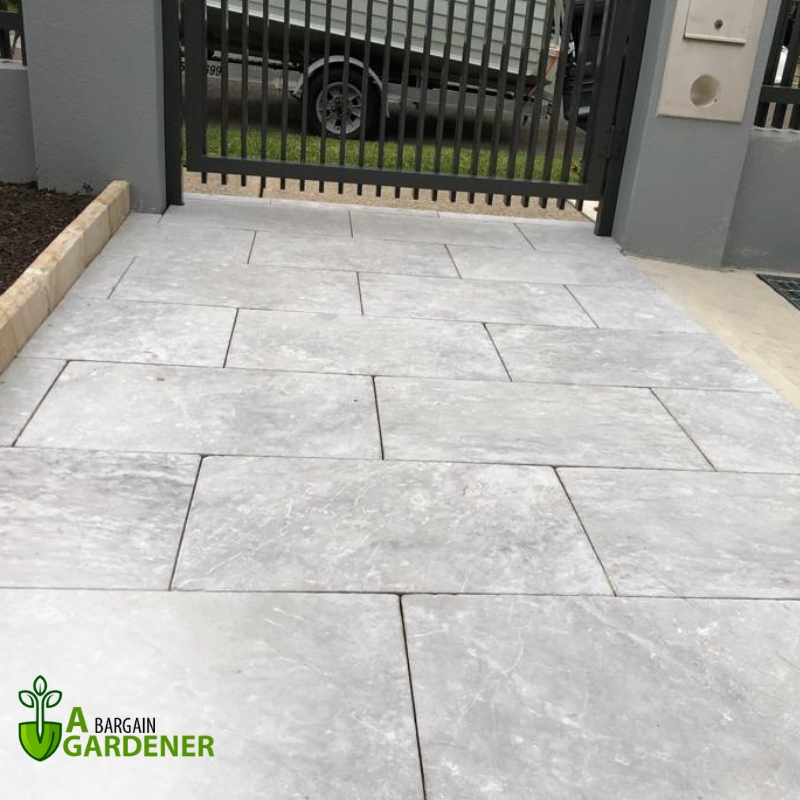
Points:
x=360, y=295
x=497, y=350
x=686, y=433
x=455, y=266
x=170, y=586
x=39, y=404
x=230, y=339
x=117, y=282
x=378, y=416
x=580, y=305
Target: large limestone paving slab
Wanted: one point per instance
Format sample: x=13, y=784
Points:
x=621, y=358
x=428, y=420
x=304, y=696
x=230, y=213
x=478, y=301
x=90, y=329
x=363, y=345
x=584, y=266
x=680, y=533
x=311, y=524
x=91, y=520
x=141, y=235
x=369, y=225
x=739, y=432
x=96, y=406
x=354, y=255
x=634, y=309
x=606, y=698
x=275, y=288
x=23, y=384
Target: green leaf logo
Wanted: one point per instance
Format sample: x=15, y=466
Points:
x=40, y=739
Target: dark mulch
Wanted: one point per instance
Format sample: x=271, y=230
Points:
x=29, y=220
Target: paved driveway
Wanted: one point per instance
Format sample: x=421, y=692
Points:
x=395, y=506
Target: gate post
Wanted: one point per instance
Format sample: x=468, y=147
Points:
x=97, y=95
x=681, y=175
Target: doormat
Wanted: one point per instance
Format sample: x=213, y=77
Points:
x=788, y=288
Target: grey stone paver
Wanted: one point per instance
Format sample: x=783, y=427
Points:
x=560, y=236
x=91, y=329
x=740, y=432
x=304, y=696
x=605, y=698
x=368, y=225
x=142, y=236
x=585, y=266
x=101, y=276
x=680, y=533
x=231, y=213
x=480, y=301
x=355, y=255
x=96, y=406
x=311, y=524
x=241, y=286
x=23, y=384
x=621, y=358
x=529, y=424
x=635, y=309
x=363, y=345
x=91, y=520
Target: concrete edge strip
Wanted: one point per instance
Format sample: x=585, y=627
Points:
x=26, y=304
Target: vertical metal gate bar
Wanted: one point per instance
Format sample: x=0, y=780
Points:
x=519, y=93
x=577, y=92
x=477, y=131
x=774, y=59
x=345, y=107
x=558, y=89
x=193, y=26
x=245, y=112
x=285, y=85
x=536, y=112
x=224, y=84
x=264, y=89
x=793, y=52
x=325, y=87
x=500, y=97
x=385, y=91
x=443, y=82
x=401, y=127
x=304, y=99
x=423, y=100
x=462, y=93
x=173, y=122
x=366, y=93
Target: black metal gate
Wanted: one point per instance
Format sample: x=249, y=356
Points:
x=509, y=98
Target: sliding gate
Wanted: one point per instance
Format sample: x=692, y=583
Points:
x=502, y=98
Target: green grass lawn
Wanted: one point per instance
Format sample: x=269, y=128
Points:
x=314, y=151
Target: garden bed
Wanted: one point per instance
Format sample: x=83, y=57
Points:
x=29, y=220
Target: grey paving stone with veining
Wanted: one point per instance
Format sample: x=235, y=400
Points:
x=607, y=268
x=305, y=697
x=355, y=255
x=368, y=225
x=248, y=213
x=200, y=410
x=101, y=276
x=627, y=308
x=363, y=345
x=311, y=524
x=241, y=286
x=679, y=533
x=23, y=384
x=90, y=329
x=428, y=420
x=479, y=301
x=198, y=244
x=606, y=698
x=91, y=520
x=740, y=432
x=566, y=237
x=621, y=358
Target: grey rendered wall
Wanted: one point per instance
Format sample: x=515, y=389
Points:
x=16, y=132
x=764, y=230
x=681, y=176
x=95, y=71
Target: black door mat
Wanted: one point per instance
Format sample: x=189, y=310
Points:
x=788, y=288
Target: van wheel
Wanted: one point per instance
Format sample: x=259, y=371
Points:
x=342, y=106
